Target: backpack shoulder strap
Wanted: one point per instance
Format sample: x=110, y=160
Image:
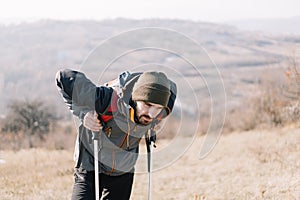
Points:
x=122, y=87
x=112, y=108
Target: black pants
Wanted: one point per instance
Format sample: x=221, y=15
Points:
x=111, y=187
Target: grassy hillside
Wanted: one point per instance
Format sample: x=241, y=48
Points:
x=244, y=165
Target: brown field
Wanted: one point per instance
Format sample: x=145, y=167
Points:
x=247, y=165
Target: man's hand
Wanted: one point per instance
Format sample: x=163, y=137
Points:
x=90, y=121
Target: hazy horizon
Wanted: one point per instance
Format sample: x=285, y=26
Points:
x=215, y=11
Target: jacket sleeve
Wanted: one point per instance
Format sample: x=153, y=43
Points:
x=80, y=94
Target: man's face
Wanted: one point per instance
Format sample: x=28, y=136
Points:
x=146, y=111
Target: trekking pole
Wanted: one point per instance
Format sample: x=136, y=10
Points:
x=150, y=175
x=149, y=162
x=96, y=163
x=149, y=139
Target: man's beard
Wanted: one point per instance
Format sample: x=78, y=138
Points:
x=145, y=119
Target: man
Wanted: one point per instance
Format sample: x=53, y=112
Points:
x=123, y=114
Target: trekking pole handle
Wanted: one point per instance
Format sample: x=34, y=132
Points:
x=95, y=134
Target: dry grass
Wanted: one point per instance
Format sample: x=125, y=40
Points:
x=36, y=174
x=248, y=165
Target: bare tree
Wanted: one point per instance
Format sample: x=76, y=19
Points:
x=292, y=88
x=31, y=117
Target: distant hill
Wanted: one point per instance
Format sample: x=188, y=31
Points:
x=272, y=26
x=31, y=53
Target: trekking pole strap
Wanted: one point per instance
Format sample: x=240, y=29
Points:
x=95, y=135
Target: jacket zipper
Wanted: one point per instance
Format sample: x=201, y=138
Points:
x=114, y=162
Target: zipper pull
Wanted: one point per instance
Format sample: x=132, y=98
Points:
x=128, y=141
x=108, y=131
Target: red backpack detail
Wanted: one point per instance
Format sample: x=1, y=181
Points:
x=113, y=108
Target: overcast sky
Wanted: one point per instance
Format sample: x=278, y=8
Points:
x=204, y=10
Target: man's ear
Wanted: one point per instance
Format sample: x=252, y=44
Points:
x=164, y=113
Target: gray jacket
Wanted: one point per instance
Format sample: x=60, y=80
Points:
x=119, y=141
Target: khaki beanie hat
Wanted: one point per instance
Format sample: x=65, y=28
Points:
x=152, y=87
